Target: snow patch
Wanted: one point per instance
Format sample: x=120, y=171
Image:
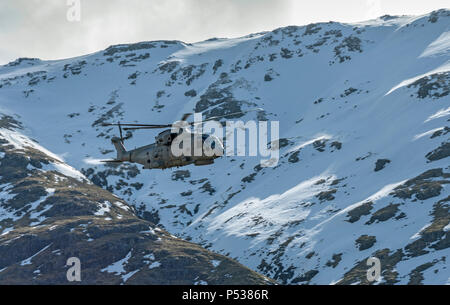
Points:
x=6, y=231
x=28, y=260
x=447, y=228
x=118, y=267
x=427, y=133
x=104, y=207
x=443, y=68
x=441, y=113
x=441, y=46
x=417, y=235
x=154, y=265
x=122, y=206
x=215, y=263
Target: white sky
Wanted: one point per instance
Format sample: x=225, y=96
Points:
x=39, y=28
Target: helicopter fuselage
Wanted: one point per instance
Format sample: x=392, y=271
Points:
x=159, y=155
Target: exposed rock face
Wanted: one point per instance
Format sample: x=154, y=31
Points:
x=381, y=163
x=365, y=242
x=439, y=153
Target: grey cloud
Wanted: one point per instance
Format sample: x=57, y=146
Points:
x=39, y=28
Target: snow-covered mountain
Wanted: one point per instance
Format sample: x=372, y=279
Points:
x=364, y=144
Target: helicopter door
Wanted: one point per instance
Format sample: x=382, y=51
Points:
x=160, y=156
x=157, y=154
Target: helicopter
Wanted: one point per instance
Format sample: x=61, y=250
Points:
x=159, y=155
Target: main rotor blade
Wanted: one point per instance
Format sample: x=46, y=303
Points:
x=148, y=127
x=185, y=116
x=111, y=161
x=139, y=125
x=133, y=126
x=225, y=115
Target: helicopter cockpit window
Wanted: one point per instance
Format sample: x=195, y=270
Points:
x=171, y=138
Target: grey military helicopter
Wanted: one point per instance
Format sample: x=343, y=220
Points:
x=159, y=155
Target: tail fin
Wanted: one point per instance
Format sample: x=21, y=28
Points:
x=119, y=147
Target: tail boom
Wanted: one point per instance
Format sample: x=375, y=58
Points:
x=121, y=151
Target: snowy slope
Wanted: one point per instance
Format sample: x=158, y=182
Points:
x=363, y=170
